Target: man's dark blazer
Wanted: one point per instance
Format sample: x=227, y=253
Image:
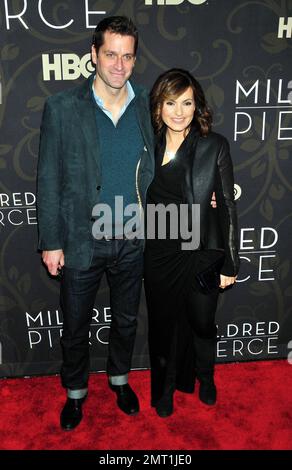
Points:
x=70, y=174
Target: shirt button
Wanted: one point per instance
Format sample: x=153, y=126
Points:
x=98, y=188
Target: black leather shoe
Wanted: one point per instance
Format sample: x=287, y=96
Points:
x=164, y=407
x=127, y=399
x=71, y=414
x=207, y=392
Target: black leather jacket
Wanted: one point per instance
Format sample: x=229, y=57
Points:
x=209, y=168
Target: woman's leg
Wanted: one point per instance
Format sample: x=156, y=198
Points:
x=201, y=315
x=161, y=336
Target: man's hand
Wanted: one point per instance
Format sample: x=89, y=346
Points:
x=54, y=260
x=226, y=281
x=213, y=201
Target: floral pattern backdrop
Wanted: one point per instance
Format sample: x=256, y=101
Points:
x=242, y=60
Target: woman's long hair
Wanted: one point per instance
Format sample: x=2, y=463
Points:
x=172, y=84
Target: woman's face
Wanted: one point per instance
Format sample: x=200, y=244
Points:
x=177, y=113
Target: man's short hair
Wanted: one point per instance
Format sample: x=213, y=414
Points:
x=115, y=24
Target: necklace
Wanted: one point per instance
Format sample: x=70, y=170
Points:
x=170, y=155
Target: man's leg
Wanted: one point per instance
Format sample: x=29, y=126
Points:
x=78, y=292
x=124, y=276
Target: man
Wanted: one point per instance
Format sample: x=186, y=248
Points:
x=96, y=143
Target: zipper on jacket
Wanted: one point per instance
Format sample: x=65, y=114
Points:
x=137, y=188
x=139, y=195
x=140, y=201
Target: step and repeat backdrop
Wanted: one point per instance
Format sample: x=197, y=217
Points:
x=240, y=51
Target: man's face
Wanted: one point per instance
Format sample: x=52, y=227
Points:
x=115, y=60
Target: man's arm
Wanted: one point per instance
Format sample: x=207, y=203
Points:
x=49, y=190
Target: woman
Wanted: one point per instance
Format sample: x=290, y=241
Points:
x=191, y=163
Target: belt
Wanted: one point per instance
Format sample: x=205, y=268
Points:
x=109, y=238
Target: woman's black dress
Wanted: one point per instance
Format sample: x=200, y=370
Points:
x=169, y=286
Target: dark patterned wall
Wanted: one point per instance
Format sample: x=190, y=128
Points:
x=235, y=49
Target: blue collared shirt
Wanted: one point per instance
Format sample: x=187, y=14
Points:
x=99, y=101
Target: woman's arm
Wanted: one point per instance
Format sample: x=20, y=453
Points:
x=227, y=211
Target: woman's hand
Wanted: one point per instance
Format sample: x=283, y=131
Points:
x=226, y=281
x=213, y=201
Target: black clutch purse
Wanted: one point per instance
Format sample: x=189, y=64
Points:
x=208, y=279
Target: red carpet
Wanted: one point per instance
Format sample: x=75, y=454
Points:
x=254, y=411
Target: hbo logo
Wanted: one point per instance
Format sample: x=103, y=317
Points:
x=237, y=191
x=174, y=2
x=66, y=66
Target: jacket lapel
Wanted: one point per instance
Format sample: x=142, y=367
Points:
x=144, y=120
x=199, y=171
x=86, y=112
x=187, y=154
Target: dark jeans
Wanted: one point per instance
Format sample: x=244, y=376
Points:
x=122, y=262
